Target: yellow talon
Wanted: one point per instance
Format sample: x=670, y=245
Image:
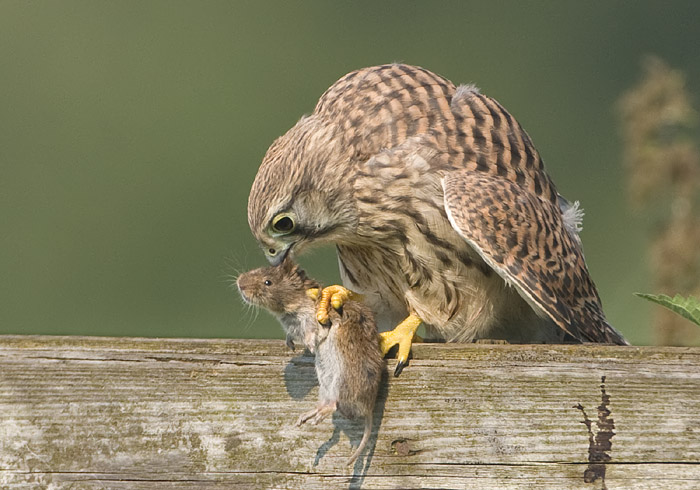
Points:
x=333, y=296
x=404, y=334
x=338, y=299
x=312, y=293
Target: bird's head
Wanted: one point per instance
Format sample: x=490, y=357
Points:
x=301, y=195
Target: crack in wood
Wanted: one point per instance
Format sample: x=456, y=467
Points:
x=599, y=444
x=150, y=358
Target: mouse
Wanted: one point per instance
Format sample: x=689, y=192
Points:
x=348, y=363
x=290, y=295
x=349, y=366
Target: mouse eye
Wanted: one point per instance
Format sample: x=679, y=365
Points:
x=268, y=282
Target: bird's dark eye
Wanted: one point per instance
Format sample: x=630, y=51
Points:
x=268, y=282
x=271, y=251
x=283, y=223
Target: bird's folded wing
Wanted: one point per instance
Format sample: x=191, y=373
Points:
x=524, y=239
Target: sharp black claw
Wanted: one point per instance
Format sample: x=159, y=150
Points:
x=399, y=367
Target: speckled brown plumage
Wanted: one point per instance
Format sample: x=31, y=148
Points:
x=366, y=170
x=525, y=241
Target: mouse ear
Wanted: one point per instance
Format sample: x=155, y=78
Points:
x=288, y=265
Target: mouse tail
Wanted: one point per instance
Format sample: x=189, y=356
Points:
x=363, y=442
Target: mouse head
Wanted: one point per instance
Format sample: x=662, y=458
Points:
x=280, y=289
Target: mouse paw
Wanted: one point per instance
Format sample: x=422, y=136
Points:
x=324, y=411
x=290, y=342
x=304, y=417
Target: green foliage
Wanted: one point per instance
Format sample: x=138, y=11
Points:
x=688, y=308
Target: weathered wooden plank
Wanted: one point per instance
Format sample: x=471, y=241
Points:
x=142, y=413
x=666, y=476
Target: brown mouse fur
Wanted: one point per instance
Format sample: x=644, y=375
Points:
x=282, y=290
x=349, y=367
x=349, y=363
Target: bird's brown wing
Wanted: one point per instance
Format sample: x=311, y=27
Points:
x=524, y=239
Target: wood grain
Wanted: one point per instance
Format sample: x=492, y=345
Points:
x=79, y=412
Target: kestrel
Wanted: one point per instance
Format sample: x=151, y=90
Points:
x=440, y=209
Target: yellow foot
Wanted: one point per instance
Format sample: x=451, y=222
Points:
x=333, y=296
x=312, y=293
x=404, y=334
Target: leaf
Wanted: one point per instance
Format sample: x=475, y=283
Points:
x=688, y=308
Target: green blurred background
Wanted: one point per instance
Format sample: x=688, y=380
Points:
x=130, y=133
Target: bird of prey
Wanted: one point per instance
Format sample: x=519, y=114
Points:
x=440, y=209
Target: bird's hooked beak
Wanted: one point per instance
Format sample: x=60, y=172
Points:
x=276, y=254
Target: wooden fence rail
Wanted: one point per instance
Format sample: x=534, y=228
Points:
x=79, y=412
